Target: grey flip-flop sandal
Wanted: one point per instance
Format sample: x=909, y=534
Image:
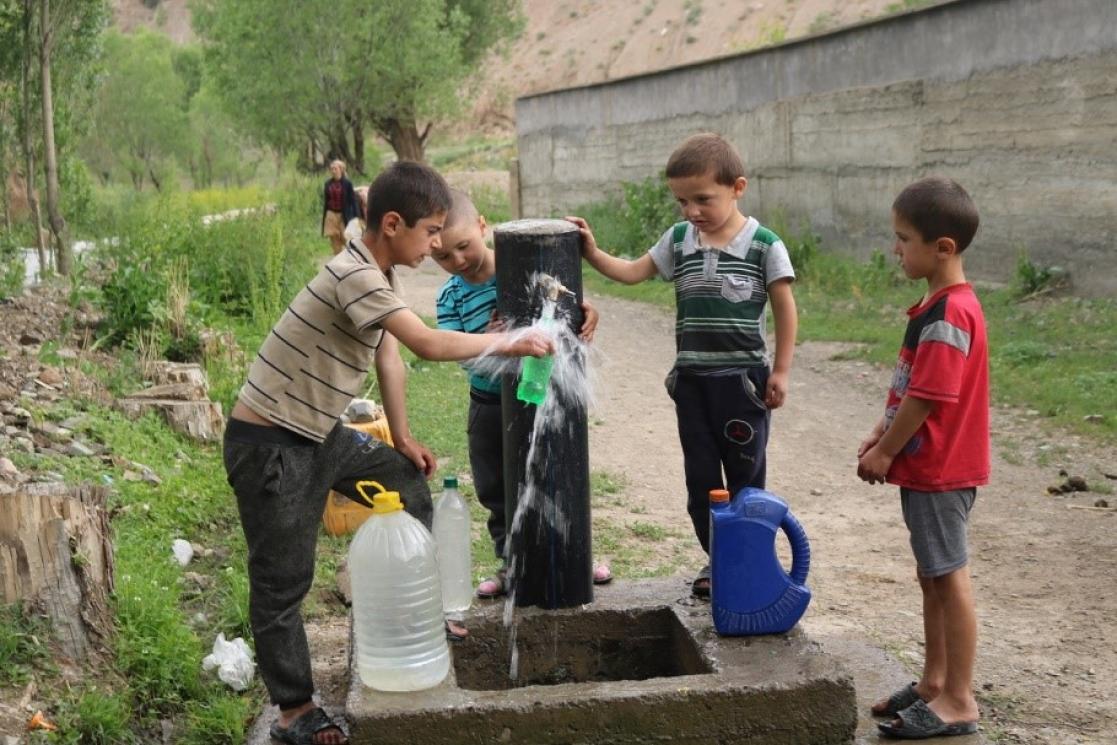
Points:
x=900, y=700
x=918, y=722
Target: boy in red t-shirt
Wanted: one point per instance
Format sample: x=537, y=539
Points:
x=933, y=442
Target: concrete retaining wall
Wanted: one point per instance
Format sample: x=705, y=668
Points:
x=1016, y=99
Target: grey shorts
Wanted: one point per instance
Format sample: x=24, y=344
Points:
x=937, y=524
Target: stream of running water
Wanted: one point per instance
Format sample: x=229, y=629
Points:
x=570, y=390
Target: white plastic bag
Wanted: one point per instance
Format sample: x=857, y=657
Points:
x=183, y=551
x=233, y=661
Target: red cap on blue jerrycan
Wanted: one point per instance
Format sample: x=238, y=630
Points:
x=750, y=592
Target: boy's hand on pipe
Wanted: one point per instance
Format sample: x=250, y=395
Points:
x=496, y=323
x=589, y=243
x=589, y=325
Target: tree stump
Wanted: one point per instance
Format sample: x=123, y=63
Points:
x=180, y=396
x=56, y=554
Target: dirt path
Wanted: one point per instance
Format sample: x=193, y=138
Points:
x=1043, y=571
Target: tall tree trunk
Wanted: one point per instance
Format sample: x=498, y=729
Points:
x=4, y=172
x=339, y=143
x=405, y=138
x=28, y=147
x=50, y=155
x=358, y=144
x=4, y=193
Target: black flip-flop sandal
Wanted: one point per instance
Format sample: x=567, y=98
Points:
x=303, y=730
x=901, y=699
x=700, y=587
x=918, y=722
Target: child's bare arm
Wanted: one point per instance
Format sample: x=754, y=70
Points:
x=626, y=271
x=452, y=346
x=874, y=463
x=392, y=376
x=787, y=326
x=874, y=436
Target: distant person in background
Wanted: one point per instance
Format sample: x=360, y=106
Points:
x=339, y=206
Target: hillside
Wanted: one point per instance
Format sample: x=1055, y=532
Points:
x=575, y=42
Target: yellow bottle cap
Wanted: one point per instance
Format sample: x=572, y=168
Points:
x=383, y=501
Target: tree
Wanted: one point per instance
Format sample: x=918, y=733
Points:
x=33, y=35
x=217, y=148
x=10, y=19
x=140, y=122
x=64, y=19
x=395, y=66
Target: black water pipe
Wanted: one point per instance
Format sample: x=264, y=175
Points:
x=552, y=549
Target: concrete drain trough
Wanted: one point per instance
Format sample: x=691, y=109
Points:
x=641, y=664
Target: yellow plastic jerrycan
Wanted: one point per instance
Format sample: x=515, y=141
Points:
x=398, y=626
x=342, y=515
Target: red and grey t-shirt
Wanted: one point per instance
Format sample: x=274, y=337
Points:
x=944, y=359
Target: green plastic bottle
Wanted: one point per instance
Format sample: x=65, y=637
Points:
x=535, y=379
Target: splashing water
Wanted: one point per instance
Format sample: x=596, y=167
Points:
x=570, y=392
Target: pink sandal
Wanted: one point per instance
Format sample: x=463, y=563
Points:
x=602, y=575
x=493, y=587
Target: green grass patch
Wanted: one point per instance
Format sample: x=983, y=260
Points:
x=24, y=649
x=631, y=554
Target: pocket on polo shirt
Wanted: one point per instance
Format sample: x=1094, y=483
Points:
x=736, y=289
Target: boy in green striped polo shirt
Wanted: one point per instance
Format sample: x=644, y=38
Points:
x=467, y=302
x=725, y=267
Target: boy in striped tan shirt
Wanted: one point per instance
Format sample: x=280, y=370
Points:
x=285, y=447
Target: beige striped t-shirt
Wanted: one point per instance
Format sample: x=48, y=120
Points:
x=314, y=361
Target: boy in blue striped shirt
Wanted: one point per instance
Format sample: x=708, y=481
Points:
x=726, y=267
x=467, y=302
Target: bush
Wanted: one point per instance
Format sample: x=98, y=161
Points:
x=11, y=261
x=629, y=225
x=649, y=209
x=169, y=273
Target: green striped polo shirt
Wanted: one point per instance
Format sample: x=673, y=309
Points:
x=720, y=294
x=465, y=307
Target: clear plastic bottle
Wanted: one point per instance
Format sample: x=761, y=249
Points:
x=452, y=536
x=398, y=625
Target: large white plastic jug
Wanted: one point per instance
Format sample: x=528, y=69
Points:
x=398, y=625
x=451, y=535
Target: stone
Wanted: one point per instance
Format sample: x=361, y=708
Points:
x=50, y=376
x=8, y=470
x=27, y=339
x=362, y=410
x=79, y=448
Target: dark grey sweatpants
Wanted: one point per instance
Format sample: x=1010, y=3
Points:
x=281, y=481
x=486, y=461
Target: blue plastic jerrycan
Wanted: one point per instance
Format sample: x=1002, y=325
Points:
x=750, y=593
